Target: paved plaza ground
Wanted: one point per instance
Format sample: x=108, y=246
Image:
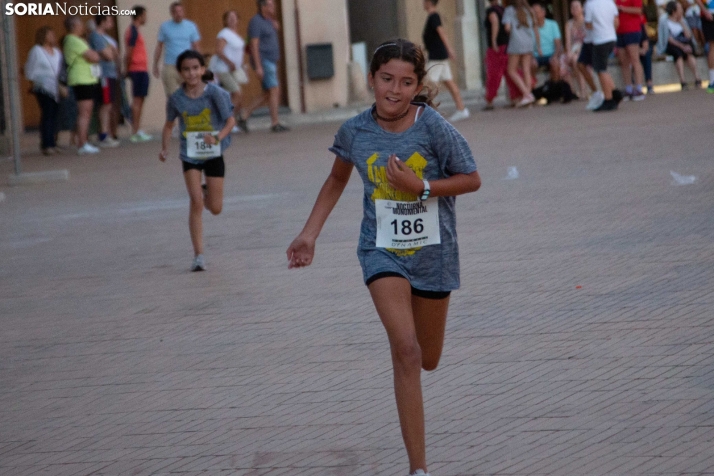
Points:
x=581, y=341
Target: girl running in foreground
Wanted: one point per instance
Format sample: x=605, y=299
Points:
x=413, y=163
x=206, y=118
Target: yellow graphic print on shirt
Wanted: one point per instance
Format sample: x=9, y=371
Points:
x=384, y=191
x=197, y=123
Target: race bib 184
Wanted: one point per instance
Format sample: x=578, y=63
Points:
x=405, y=225
x=196, y=147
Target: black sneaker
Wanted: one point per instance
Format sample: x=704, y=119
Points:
x=685, y=87
x=607, y=105
x=242, y=124
x=279, y=128
x=617, y=96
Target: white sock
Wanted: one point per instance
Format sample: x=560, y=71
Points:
x=711, y=78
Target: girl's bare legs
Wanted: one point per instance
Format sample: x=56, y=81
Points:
x=526, y=61
x=415, y=328
x=214, y=194
x=430, y=324
x=195, y=220
x=624, y=59
x=633, y=52
x=513, y=63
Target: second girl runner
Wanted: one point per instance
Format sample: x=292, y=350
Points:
x=205, y=116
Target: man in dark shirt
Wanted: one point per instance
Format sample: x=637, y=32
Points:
x=265, y=53
x=439, y=49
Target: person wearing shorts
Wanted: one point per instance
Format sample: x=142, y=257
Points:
x=205, y=115
x=175, y=36
x=137, y=69
x=546, y=54
x=83, y=72
x=108, y=50
x=707, y=12
x=601, y=18
x=440, y=51
x=227, y=62
x=265, y=54
x=413, y=164
x=629, y=36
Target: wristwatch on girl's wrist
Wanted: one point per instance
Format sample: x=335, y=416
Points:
x=425, y=194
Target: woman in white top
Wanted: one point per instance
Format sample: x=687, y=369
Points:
x=43, y=68
x=674, y=38
x=227, y=63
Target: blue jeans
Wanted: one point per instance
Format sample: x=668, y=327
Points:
x=48, y=119
x=270, y=74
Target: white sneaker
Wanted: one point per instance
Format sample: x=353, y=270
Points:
x=596, y=100
x=236, y=130
x=87, y=148
x=198, y=264
x=419, y=472
x=460, y=115
x=144, y=136
x=109, y=142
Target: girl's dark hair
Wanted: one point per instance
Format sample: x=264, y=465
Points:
x=405, y=50
x=670, y=8
x=189, y=54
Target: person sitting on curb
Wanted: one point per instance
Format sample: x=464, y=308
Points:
x=551, y=44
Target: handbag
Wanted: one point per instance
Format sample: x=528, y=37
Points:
x=240, y=76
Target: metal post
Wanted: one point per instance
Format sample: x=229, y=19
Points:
x=13, y=87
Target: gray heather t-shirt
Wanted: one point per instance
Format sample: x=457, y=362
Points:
x=522, y=38
x=97, y=42
x=263, y=29
x=434, y=150
x=209, y=112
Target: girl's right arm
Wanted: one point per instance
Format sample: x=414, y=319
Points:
x=165, y=138
x=302, y=250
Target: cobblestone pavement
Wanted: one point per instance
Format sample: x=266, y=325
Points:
x=581, y=342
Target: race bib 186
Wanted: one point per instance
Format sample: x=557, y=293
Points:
x=405, y=225
x=196, y=147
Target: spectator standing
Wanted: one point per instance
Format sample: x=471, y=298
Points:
x=674, y=38
x=440, y=52
x=108, y=51
x=585, y=65
x=549, y=48
x=523, y=38
x=83, y=73
x=496, y=56
x=175, y=36
x=601, y=17
x=43, y=68
x=136, y=66
x=708, y=31
x=629, y=34
x=646, y=57
x=265, y=54
x=227, y=63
